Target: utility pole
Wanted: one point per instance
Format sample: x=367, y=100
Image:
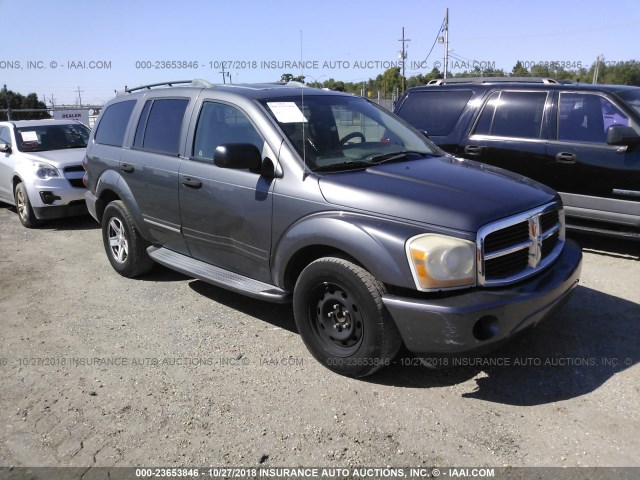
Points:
x=403, y=55
x=596, y=71
x=224, y=76
x=6, y=98
x=79, y=96
x=446, y=41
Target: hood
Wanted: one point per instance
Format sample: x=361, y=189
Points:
x=444, y=191
x=58, y=158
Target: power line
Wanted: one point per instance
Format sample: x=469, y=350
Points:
x=435, y=40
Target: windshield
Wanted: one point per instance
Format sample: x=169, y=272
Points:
x=632, y=97
x=341, y=132
x=40, y=138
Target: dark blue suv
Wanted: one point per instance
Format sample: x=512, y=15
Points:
x=581, y=140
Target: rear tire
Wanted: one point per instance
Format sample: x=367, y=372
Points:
x=341, y=318
x=23, y=206
x=125, y=247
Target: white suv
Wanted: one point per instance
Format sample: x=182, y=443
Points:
x=41, y=168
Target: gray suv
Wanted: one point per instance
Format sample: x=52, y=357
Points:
x=287, y=193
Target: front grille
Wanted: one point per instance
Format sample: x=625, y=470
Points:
x=74, y=174
x=76, y=182
x=520, y=246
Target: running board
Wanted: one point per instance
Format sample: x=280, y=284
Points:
x=217, y=276
x=603, y=232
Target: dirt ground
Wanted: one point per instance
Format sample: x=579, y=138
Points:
x=96, y=369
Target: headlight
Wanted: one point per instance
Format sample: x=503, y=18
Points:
x=439, y=262
x=45, y=170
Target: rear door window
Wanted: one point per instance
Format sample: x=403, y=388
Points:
x=163, y=125
x=434, y=112
x=512, y=114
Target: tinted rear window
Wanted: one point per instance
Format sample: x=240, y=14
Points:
x=512, y=114
x=162, y=132
x=434, y=112
x=113, y=124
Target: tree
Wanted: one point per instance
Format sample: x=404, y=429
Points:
x=16, y=102
x=519, y=70
x=288, y=77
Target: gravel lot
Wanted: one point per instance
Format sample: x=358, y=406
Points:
x=96, y=369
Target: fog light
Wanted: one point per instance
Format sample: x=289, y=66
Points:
x=486, y=327
x=48, y=197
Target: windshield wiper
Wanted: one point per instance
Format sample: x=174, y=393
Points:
x=342, y=166
x=395, y=156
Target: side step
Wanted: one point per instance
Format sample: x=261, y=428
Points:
x=603, y=232
x=217, y=276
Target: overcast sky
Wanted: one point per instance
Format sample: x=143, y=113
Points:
x=57, y=47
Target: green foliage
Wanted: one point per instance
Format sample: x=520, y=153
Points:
x=288, y=77
x=17, y=101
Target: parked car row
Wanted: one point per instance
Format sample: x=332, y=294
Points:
x=286, y=193
x=581, y=140
x=325, y=200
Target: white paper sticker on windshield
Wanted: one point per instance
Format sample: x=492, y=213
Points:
x=286, y=112
x=29, y=136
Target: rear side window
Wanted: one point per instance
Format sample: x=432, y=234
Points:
x=512, y=114
x=113, y=124
x=159, y=126
x=434, y=112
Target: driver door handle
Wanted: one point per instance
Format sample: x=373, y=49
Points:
x=473, y=150
x=564, y=157
x=191, y=182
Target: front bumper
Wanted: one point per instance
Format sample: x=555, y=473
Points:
x=62, y=199
x=480, y=319
x=90, y=201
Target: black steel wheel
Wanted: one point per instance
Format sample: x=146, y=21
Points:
x=341, y=318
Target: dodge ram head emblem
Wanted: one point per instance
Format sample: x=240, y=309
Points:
x=535, y=235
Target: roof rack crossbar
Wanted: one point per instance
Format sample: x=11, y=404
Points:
x=480, y=80
x=195, y=83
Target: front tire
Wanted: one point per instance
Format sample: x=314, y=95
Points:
x=341, y=318
x=125, y=247
x=23, y=206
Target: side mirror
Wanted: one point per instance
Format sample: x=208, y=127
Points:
x=5, y=148
x=621, y=135
x=239, y=156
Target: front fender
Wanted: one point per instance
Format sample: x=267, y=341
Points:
x=377, y=244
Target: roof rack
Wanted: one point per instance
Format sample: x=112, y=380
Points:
x=193, y=83
x=480, y=80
